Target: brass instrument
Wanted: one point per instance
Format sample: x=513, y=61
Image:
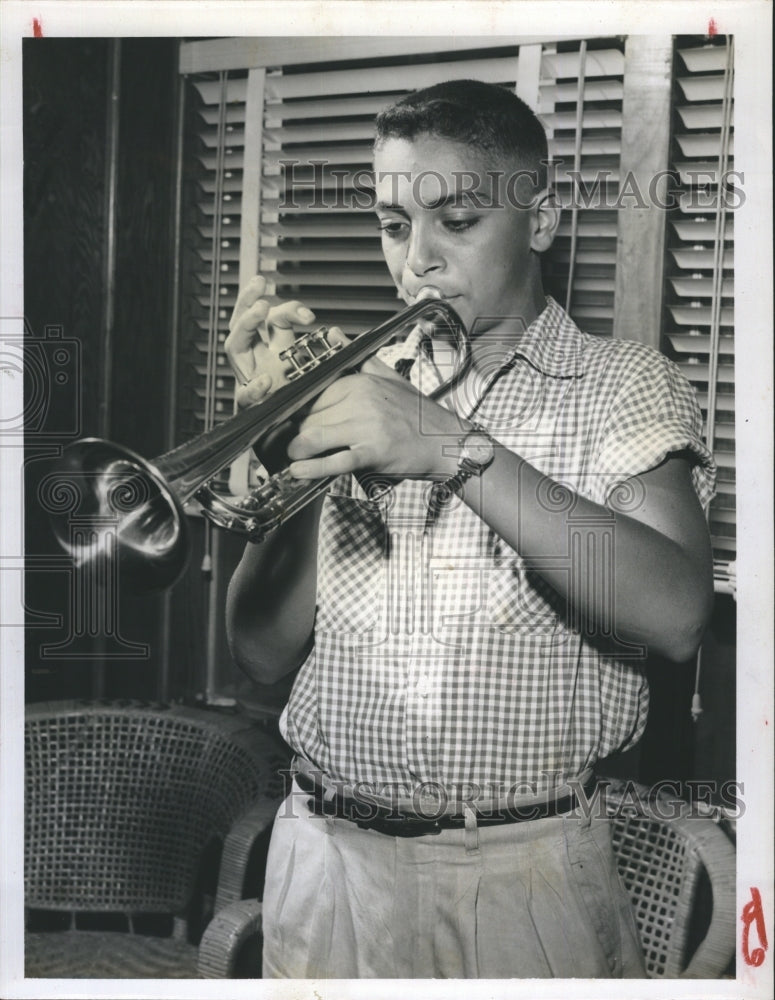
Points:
x=133, y=508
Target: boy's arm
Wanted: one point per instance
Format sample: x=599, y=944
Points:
x=270, y=605
x=654, y=585
x=660, y=568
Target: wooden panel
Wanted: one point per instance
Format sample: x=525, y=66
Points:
x=251, y=178
x=66, y=154
x=645, y=151
x=248, y=53
x=64, y=211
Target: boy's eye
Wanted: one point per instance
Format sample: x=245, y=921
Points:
x=458, y=225
x=392, y=227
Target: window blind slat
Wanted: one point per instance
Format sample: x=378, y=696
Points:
x=704, y=59
x=594, y=90
x=702, y=145
x=599, y=62
x=699, y=315
x=688, y=343
x=701, y=228
x=702, y=88
x=278, y=112
x=701, y=287
x=209, y=91
x=385, y=78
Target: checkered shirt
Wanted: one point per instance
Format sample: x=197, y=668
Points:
x=439, y=655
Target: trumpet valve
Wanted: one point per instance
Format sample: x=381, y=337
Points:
x=308, y=351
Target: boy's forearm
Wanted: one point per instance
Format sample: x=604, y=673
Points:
x=632, y=581
x=270, y=606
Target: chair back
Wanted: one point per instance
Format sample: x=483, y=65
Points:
x=121, y=801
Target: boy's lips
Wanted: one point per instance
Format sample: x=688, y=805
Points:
x=430, y=292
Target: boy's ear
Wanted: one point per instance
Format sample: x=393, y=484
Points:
x=547, y=219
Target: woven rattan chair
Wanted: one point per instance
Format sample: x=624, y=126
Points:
x=129, y=810
x=669, y=857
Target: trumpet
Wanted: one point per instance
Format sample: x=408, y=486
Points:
x=128, y=510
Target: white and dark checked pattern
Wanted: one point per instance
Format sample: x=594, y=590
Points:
x=439, y=656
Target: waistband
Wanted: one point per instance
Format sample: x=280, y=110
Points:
x=417, y=817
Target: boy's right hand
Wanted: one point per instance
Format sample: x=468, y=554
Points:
x=258, y=333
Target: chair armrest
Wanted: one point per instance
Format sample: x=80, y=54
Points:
x=225, y=935
x=237, y=847
x=718, y=855
x=705, y=846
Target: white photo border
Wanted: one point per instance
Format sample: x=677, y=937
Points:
x=749, y=21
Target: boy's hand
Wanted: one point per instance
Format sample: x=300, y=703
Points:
x=258, y=334
x=375, y=421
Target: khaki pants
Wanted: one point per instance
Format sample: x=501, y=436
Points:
x=522, y=900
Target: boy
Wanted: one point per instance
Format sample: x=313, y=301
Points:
x=469, y=651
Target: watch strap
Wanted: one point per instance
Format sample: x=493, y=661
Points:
x=466, y=468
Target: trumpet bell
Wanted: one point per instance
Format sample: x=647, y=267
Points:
x=122, y=514
x=112, y=508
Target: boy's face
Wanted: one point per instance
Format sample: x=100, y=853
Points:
x=479, y=256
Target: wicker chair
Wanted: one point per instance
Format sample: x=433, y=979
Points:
x=669, y=857
x=129, y=809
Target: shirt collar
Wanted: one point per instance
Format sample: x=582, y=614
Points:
x=552, y=343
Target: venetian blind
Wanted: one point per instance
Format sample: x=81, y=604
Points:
x=315, y=244
x=699, y=315
x=212, y=224
x=581, y=90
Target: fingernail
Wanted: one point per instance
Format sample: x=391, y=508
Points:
x=306, y=315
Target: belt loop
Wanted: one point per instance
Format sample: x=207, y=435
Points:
x=586, y=800
x=472, y=830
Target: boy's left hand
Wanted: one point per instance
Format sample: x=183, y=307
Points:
x=375, y=421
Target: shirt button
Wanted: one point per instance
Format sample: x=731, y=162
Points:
x=423, y=686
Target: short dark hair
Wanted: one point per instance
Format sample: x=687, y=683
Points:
x=484, y=116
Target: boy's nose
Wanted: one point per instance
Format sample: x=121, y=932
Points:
x=422, y=254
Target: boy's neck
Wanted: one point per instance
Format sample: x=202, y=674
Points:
x=500, y=338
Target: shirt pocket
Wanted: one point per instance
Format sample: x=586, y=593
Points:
x=518, y=600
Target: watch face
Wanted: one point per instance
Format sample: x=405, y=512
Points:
x=477, y=448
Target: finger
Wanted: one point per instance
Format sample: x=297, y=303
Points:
x=253, y=391
x=290, y=314
x=339, y=463
x=314, y=440
x=374, y=366
x=333, y=395
x=336, y=336
x=242, y=333
x=253, y=291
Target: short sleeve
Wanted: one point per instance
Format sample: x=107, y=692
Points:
x=654, y=413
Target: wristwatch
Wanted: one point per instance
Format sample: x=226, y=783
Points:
x=477, y=451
